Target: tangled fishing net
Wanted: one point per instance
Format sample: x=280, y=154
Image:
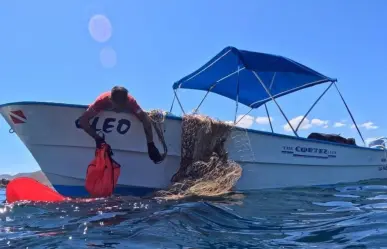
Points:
x=205, y=169
x=157, y=118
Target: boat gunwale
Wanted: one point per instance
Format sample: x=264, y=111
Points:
x=174, y=117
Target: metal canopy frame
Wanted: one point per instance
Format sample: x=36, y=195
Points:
x=273, y=98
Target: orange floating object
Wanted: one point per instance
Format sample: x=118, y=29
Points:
x=102, y=173
x=29, y=189
x=101, y=178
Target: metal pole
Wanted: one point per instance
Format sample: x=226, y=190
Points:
x=217, y=82
x=310, y=109
x=268, y=116
x=353, y=120
x=178, y=101
x=272, y=98
x=173, y=102
x=272, y=80
x=244, y=116
x=237, y=98
x=201, y=102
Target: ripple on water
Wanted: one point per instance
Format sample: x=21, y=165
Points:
x=331, y=217
x=346, y=196
x=378, y=197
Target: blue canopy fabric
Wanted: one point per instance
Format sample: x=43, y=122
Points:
x=232, y=71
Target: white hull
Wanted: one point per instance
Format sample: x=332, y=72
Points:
x=269, y=160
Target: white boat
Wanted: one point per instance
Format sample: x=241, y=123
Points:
x=63, y=150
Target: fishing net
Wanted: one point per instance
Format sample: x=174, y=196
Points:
x=205, y=169
x=157, y=118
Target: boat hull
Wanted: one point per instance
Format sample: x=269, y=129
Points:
x=51, y=133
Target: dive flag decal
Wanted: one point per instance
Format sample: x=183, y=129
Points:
x=18, y=117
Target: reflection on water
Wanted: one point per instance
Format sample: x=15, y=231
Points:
x=331, y=217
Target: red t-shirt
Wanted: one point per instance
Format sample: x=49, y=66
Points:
x=103, y=103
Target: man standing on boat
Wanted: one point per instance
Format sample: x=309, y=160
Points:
x=119, y=100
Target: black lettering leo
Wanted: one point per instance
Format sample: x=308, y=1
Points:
x=107, y=126
x=123, y=126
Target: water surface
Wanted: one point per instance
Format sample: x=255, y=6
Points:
x=342, y=216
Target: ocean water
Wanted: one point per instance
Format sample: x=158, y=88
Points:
x=341, y=216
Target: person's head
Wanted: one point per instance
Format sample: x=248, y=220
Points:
x=119, y=96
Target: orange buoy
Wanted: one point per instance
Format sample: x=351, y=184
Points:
x=29, y=189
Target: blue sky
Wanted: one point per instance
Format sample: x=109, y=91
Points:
x=49, y=54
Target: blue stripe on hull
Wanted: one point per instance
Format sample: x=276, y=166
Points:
x=80, y=191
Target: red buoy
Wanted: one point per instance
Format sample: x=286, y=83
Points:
x=29, y=189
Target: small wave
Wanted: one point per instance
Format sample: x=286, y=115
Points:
x=337, y=217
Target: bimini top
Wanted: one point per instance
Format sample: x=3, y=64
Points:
x=233, y=70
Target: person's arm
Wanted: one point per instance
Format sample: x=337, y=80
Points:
x=144, y=118
x=153, y=152
x=91, y=112
x=146, y=122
